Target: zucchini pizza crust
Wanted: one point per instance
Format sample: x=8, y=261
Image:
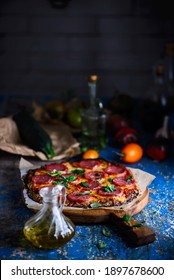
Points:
x=90, y=215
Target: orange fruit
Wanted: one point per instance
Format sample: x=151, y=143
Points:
x=92, y=154
x=131, y=153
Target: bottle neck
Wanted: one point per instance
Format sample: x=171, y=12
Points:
x=92, y=93
x=159, y=79
x=53, y=196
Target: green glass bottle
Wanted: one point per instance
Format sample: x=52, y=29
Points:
x=93, y=120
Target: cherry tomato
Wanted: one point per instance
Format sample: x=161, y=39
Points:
x=131, y=153
x=90, y=154
x=158, y=148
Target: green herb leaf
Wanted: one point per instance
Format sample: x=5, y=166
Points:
x=110, y=180
x=63, y=182
x=95, y=205
x=128, y=179
x=106, y=232
x=83, y=193
x=109, y=188
x=55, y=173
x=84, y=184
x=69, y=179
x=127, y=217
x=137, y=225
x=78, y=171
x=101, y=244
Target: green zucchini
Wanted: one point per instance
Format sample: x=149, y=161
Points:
x=32, y=134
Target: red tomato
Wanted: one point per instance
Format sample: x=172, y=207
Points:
x=126, y=135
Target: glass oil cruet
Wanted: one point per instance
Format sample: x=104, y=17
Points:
x=49, y=228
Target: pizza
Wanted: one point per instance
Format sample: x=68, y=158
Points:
x=89, y=183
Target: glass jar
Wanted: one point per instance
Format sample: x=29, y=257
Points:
x=49, y=228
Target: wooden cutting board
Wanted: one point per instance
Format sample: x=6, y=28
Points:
x=136, y=234
x=100, y=215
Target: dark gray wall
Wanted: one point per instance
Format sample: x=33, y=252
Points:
x=45, y=50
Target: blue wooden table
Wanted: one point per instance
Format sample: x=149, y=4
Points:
x=158, y=215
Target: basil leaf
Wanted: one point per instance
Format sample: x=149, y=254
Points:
x=110, y=180
x=83, y=193
x=127, y=217
x=101, y=244
x=68, y=179
x=128, y=179
x=95, y=205
x=84, y=184
x=109, y=188
x=78, y=171
x=55, y=173
x=106, y=232
x=59, y=182
x=137, y=225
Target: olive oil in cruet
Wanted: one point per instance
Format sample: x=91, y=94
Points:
x=49, y=228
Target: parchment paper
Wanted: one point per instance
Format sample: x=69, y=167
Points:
x=143, y=179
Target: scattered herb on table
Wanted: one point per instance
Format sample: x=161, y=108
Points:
x=127, y=217
x=101, y=244
x=137, y=225
x=106, y=232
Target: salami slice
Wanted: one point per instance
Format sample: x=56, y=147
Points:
x=117, y=192
x=89, y=164
x=56, y=167
x=116, y=169
x=90, y=185
x=94, y=175
x=123, y=181
x=79, y=197
x=42, y=179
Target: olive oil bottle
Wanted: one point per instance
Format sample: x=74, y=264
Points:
x=49, y=228
x=93, y=120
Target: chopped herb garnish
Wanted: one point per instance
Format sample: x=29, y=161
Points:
x=110, y=180
x=109, y=188
x=65, y=180
x=101, y=244
x=55, y=173
x=127, y=217
x=95, y=205
x=83, y=193
x=78, y=171
x=106, y=232
x=129, y=178
x=84, y=184
x=137, y=225
x=70, y=178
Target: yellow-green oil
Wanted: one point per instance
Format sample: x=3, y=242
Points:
x=40, y=237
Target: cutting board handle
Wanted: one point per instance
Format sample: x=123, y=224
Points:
x=136, y=233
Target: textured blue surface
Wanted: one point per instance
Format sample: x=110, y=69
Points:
x=158, y=215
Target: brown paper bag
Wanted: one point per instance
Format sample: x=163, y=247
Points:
x=65, y=145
